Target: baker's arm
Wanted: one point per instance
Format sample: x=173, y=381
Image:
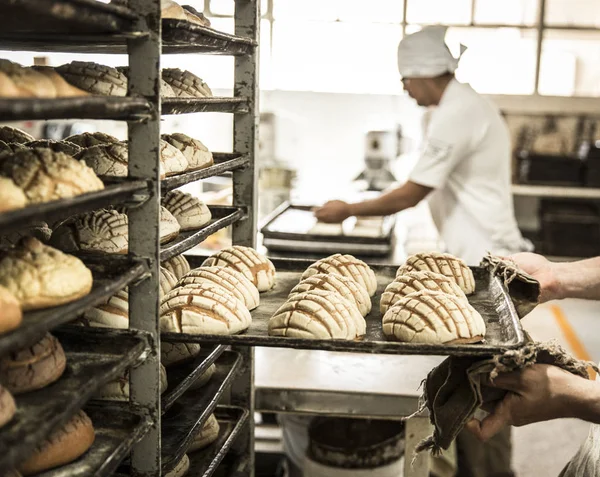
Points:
x=403, y=197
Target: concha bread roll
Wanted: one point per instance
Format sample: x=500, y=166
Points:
x=63, y=89
x=346, y=287
x=94, y=78
x=108, y=159
x=186, y=84
x=318, y=314
x=177, y=353
x=433, y=318
x=256, y=267
x=196, y=153
x=38, y=230
x=30, y=82
x=203, y=311
x=167, y=281
x=9, y=134
x=204, y=378
x=89, y=139
x=62, y=447
x=181, y=468
x=444, y=264
x=411, y=282
x=40, y=276
x=177, y=265
x=172, y=159
x=118, y=390
x=169, y=226
x=8, y=408
x=207, y=435
x=12, y=147
x=8, y=88
x=34, y=367
x=45, y=175
x=170, y=9
x=230, y=280
x=194, y=16
x=57, y=146
x=348, y=266
x=190, y=212
x=10, y=311
x=165, y=89
x=11, y=196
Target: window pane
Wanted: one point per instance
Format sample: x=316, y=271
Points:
x=439, y=11
x=506, y=12
x=573, y=12
x=570, y=64
x=227, y=7
x=384, y=11
x=336, y=57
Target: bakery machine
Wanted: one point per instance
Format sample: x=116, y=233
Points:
x=381, y=149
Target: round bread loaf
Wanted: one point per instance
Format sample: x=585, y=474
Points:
x=8, y=88
x=348, y=266
x=169, y=226
x=433, y=318
x=89, y=139
x=118, y=390
x=318, y=314
x=203, y=311
x=165, y=89
x=8, y=408
x=444, y=264
x=232, y=281
x=30, y=83
x=45, y=175
x=34, y=367
x=63, y=89
x=186, y=84
x=346, y=287
x=11, y=196
x=196, y=153
x=9, y=134
x=256, y=267
x=181, y=468
x=12, y=147
x=57, y=146
x=207, y=435
x=10, y=311
x=177, y=265
x=204, y=378
x=172, y=159
x=107, y=159
x=177, y=353
x=62, y=447
x=167, y=281
x=412, y=282
x=94, y=78
x=40, y=276
x=190, y=212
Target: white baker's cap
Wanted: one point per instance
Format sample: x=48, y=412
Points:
x=424, y=54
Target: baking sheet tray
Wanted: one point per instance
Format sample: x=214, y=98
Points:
x=491, y=299
x=214, y=104
x=224, y=162
x=39, y=412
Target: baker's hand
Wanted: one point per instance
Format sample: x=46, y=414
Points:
x=537, y=393
x=333, y=212
x=542, y=270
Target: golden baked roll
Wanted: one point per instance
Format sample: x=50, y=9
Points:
x=94, y=78
x=204, y=378
x=346, y=287
x=9, y=89
x=196, y=153
x=30, y=83
x=348, y=266
x=433, y=318
x=34, y=367
x=63, y=89
x=256, y=267
x=206, y=436
x=201, y=311
x=65, y=147
x=411, y=282
x=40, y=276
x=186, y=84
x=228, y=279
x=190, y=212
x=444, y=264
x=177, y=265
x=118, y=390
x=89, y=139
x=176, y=353
x=62, y=447
x=318, y=314
x=45, y=175
x=8, y=408
x=11, y=196
x=169, y=226
x=9, y=134
x=10, y=311
x=182, y=467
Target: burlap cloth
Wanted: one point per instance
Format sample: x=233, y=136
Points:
x=454, y=390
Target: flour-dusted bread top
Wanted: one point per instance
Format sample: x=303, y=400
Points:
x=11, y=196
x=165, y=90
x=57, y=146
x=169, y=226
x=346, y=287
x=172, y=159
x=444, y=264
x=232, y=281
x=109, y=159
x=186, y=84
x=45, y=175
x=348, y=266
x=190, y=212
x=118, y=390
x=256, y=267
x=167, y=281
x=203, y=311
x=40, y=276
x=196, y=153
x=89, y=139
x=318, y=314
x=9, y=134
x=178, y=266
x=94, y=78
x=207, y=434
x=411, y=282
x=112, y=313
x=434, y=318
x=176, y=353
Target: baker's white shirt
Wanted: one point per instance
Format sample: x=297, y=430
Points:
x=465, y=158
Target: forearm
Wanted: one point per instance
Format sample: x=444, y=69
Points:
x=586, y=402
x=404, y=197
x=578, y=279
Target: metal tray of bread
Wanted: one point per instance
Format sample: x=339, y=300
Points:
x=118, y=427
x=111, y=274
x=293, y=228
x=214, y=104
x=94, y=357
x=232, y=420
x=180, y=36
x=491, y=299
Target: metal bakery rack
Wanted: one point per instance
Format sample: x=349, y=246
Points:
x=147, y=435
